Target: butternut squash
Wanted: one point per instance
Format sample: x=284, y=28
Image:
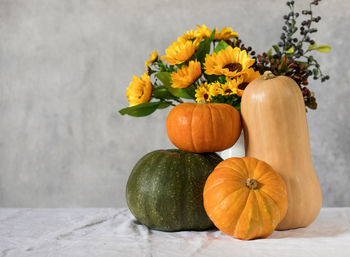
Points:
x=276, y=131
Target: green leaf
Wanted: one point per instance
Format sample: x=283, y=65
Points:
x=269, y=53
x=211, y=78
x=233, y=100
x=203, y=48
x=302, y=63
x=163, y=105
x=215, y=78
x=277, y=49
x=321, y=48
x=221, y=46
x=162, y=92
x=222, y=79
x=140, y=110
x=191, y=90
x=165, y=78
x=290, y=50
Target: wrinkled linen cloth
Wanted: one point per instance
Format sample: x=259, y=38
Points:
x=115, y=232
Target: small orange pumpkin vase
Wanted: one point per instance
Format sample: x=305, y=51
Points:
x=245, y=198
x=203, y=127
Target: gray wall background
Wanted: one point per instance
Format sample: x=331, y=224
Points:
x=64, y=69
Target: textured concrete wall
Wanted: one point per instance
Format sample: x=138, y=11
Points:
x=64, y=68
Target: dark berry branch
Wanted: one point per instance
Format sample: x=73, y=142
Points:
x=291, y=56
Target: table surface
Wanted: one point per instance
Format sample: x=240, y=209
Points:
x=115, y=232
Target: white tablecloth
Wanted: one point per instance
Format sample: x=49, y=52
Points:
x=114, y=232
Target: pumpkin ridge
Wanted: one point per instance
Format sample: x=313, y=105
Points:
x=157, y=205
x=268, y=171
x=229, y=110
x=252, y=172
x=192, y=138
x=218, y=112
x=280, y=214
x=240, y=216
x=257, y=168
x=241, y=211
x=211, y=123
x=217, y=184
x=246, y=167
x=264, y=175
x=263, y=205
x=266, y=195
x=140, y=203
x=232, y=206
x=259, y=212
x=271, y=192
x=239, y=169
x=148, y=213
x=183, y=185
x=243, y=176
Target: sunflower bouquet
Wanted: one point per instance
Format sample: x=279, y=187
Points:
x=214, y=66
x=202, y=65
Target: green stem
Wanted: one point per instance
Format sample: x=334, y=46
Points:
x=178, y=100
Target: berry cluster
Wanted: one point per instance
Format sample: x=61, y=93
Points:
x=291, y=55
x=238, y=43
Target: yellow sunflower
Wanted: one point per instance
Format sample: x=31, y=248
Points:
x=180, y=51
x=250, y=75
x=228, y=88
x=191, y=35
x=242, y=82
x=139, y=90
x=214, y=89
x=202, y=93
x=203, y=31
x=185, y=76
x=153, y=57
x=224, y=34
x=231, y=62
x=232, y=85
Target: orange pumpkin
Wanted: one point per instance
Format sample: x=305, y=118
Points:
x=245, y=198
x=203, y=127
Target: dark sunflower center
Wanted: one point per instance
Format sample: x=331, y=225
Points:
x=233, y=67
x=228, y=91
x=243, y=85
x=206, y=96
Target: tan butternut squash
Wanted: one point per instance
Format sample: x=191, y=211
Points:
x=276, y=131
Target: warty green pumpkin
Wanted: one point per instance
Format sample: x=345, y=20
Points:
x=165, y=189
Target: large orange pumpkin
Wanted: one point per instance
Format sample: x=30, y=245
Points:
x=203, y=127
x=245, y=198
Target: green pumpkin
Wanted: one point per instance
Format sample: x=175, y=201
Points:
x=165, y=189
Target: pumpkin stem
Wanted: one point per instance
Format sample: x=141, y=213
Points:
x=268, y=75
x=252, y=184
x=202, y=101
